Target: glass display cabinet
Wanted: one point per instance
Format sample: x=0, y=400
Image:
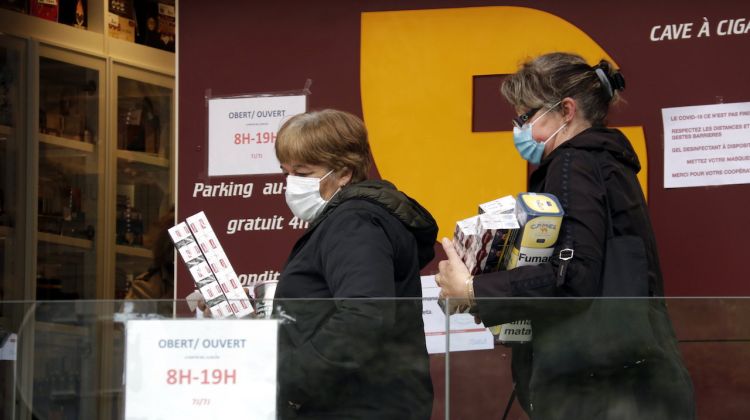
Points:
x=143, y=184
x=86, y=175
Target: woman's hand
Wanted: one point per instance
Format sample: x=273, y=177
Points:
x=453, y=274
x=204, y=308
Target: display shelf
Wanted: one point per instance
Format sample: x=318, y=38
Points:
x=145, y=158
x=133, y=251
x=67, y=143
x=27, y=26
x=5, y=132
x=65, y=240
x=90, y=40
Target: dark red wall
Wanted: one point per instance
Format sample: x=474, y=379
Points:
x=235, y=47
x=245, y=47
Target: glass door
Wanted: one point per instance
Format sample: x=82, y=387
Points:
x=70, y=241
x=13, y=57
x=144, y=199
x=12, y=152
x=70, y=154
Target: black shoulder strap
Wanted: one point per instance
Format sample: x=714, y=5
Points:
x=567, y=251
x=607, y=208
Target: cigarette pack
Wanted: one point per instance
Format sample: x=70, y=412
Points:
x=502, y=205
x=209, y=266
x=497, y=232
x=465, y=240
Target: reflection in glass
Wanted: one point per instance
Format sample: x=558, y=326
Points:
x=143, y=117
x=143, y=193
x=10, y=182
x=12, y=216
x=68, y=101
x=67, y=201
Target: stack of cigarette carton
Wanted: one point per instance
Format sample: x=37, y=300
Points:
x=212, y=273
x=483, y=241
x=508, y=233
x=540, y=217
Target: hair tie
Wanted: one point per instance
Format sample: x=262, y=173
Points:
x=618, y=82
x=605, y=80
x=611, y=84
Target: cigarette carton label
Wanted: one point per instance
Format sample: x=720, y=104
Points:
x=541, y=232
x=513, y=332
x=505, y=204
x=541, y=203
x=529, y=256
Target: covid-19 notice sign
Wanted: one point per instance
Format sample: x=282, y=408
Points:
x=707, y=145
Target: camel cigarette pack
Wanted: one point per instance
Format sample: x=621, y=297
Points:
x=209, y=266
x=540, y=216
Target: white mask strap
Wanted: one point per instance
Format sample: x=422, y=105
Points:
x=555, y=133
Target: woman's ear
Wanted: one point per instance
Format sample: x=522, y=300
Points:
x=569, y=109
x=344, y=176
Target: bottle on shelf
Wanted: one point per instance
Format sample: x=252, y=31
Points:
x=129, y=223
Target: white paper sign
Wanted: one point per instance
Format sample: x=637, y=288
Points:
x=465, y=334
x=200, y=369
x=242, y=133
x=706, y=145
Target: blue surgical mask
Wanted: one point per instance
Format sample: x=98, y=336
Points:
x=530, y=149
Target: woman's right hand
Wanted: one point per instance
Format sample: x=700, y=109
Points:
x=453, y=274
x=204, y=308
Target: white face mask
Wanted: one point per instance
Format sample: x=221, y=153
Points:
x=303, y=196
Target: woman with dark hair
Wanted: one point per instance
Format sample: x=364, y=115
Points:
x=562, y=104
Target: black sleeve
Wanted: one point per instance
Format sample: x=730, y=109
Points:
x=574, y=179
x=357, y=260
